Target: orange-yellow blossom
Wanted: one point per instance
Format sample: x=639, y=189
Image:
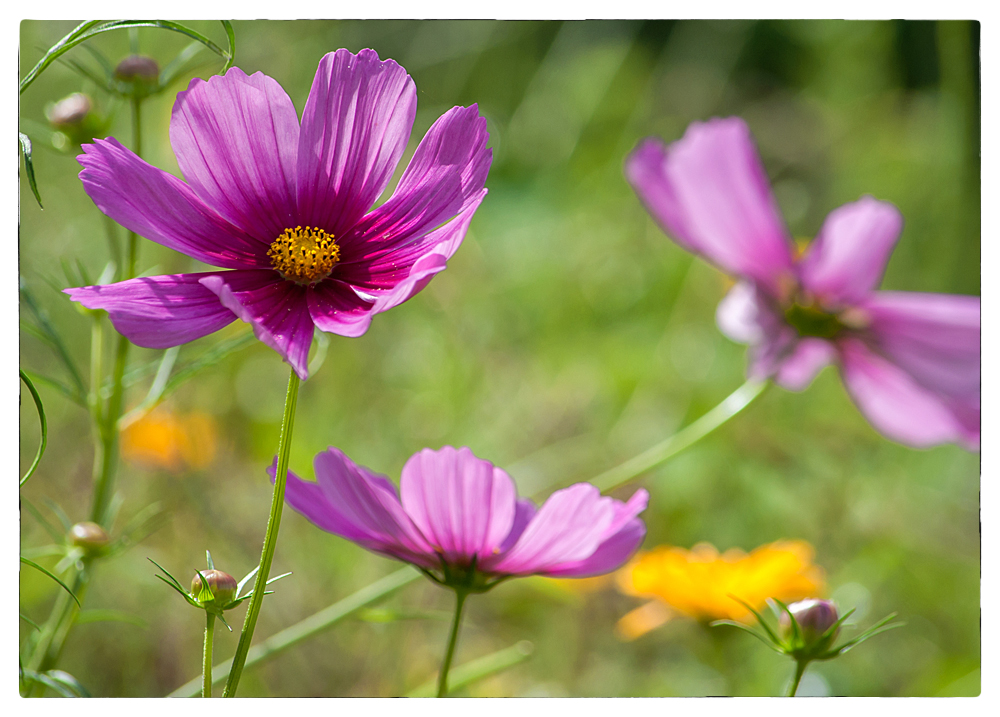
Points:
x=700, y=582
x=163, y=439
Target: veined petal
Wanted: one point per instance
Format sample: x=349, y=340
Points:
x=622, y=538
x=463, y=505
x=445, y=176
x=276, y=309
x=236, y=139
x=408, y=270
x=935, y=337
x=900, y=408
x=568, y=527
x=337, y=309
x=158, y=312
x=163, y=209
x=368, y=501
x=847, y=259
x=355, y=127
x=798, y=370
x=710, y=193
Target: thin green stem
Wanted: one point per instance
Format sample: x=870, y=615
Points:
x=800, y=668
x=53, y=636
x=687, y=436
x=206, y=660
x=460, y=596
x=270, y=537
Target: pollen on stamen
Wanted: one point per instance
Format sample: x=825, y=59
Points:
x=304, y=255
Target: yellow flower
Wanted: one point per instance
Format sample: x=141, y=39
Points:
x=163, y=439
x=700, y=583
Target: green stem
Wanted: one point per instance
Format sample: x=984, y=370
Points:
x=460, y=596
x=687, y=436
x=270, y=537
x=800, y=668
x=61, y=620
x=206, y=659
x=50, y=643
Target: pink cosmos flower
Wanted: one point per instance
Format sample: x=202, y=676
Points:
x=910, y=361
x=460, y=516
x=285, y=206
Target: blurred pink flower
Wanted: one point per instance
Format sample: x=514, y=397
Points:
x=286, y=206
x=460, y=515
x=910, y=361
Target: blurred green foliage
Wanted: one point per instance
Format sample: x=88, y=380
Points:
x=567, y=334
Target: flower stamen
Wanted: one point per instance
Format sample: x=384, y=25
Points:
x=304, y=255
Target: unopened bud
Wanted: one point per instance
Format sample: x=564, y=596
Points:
x=222, y=584
x=814, y=618
x=70, y=111
x=138, y=67
x=89, y=537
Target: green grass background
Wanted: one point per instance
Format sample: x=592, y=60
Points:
x=567, y=334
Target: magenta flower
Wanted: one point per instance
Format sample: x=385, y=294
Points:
x=285, y=206
x=910, y=361
x=459, y=516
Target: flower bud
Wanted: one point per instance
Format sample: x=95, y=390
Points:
x=138, y=67
x=814, y=617
x=222, y=584
x=70, y=111
x=89, y=537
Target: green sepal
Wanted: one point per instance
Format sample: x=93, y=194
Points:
x=763, y=638
x=209, y=561
x=205, y=594
x=760, y=618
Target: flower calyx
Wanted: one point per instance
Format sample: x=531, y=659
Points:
x=807, y=629
x=466, y=579
x=213, y=590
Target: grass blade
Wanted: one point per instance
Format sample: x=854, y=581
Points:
x=65, y=587
x=44, y=428
x=29, y=167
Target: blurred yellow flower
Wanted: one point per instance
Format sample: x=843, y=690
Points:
x=175, y=442
x=700, y=582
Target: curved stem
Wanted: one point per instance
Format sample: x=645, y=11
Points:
x=270, y=537
x=206, y=659
x=687, y=436
x=460, y=596
x=800, y=668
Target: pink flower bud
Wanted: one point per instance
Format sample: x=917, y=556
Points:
x=222, y=584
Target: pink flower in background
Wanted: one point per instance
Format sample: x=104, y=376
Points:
x=284, y=206
x=910, y=361
x=460, y=515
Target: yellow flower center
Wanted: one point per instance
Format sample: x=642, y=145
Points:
x=304, y=255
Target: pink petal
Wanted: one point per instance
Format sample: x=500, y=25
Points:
x=464, y=506
x=936, y=338
x=848, y=257
x=158, y=311
x=356, y=504
x=355, y=127
x=337, y=309
x=369, y=500
x=276, y=309
x=445, y=176
x=798, y=370
x=738, y=314
x=236, y=139
x=710, y=193
x=163, y=209
x=568, y=527
x=747, y=315
x=899, y=407
x=413, y=267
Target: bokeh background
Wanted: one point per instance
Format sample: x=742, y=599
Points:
x=567, y=334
